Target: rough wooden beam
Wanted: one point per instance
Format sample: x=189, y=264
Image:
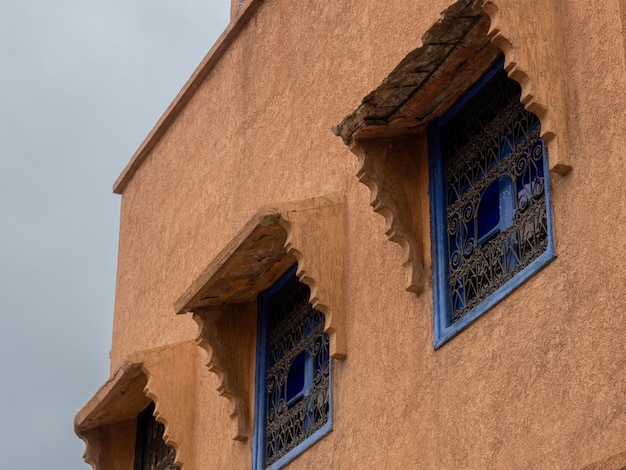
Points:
x=448, y=46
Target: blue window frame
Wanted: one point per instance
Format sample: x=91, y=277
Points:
x=293, y=406
x=490, y=209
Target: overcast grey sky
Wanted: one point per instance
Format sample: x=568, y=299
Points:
x=82, y=83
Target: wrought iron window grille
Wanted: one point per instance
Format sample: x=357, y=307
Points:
x=293, y=375
x=151, y=452
x=490, y=193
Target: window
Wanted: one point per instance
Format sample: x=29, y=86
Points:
x=489, y=187
x=151, y=452
x=293, y=377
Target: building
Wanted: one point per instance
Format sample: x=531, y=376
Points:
x=274, y=319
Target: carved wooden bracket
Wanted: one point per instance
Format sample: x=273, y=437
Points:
x=223, y=297
x=390, y=169
x=316, y=238
x=529, y=35
x=107, y=423
x=228, y=334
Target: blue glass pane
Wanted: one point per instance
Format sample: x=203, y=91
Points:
x=489, y=213
x=296, y=376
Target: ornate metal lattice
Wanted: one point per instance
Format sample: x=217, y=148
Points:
x=151, y=452
x=297, y=378
x=496, y=221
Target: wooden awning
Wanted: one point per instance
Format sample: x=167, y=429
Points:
x=455, y=52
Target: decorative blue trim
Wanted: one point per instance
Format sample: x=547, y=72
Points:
x=258, y=451
x=444, y=329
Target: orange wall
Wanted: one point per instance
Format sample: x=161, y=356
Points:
x=537, y=382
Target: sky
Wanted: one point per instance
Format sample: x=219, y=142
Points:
x=82, y=82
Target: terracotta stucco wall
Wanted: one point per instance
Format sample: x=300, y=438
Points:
x=537, y=382
x=241, y=143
